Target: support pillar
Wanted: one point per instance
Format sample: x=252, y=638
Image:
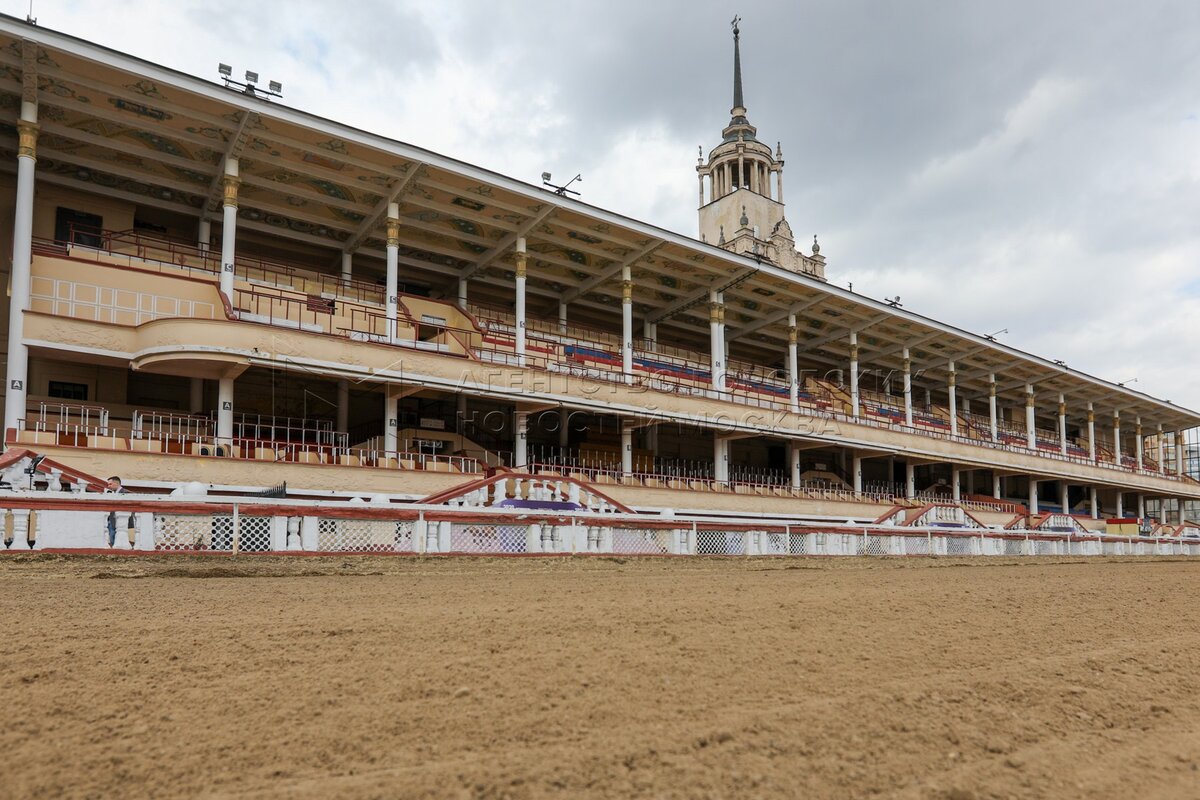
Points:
x=627, y=323
x=910, y=480
x=1094, y=502
x=562, y=317
x=520, y=440
x=225, y=412
x=997, y=486
x=856, y=468
x=1062, y=424
x=794, y=462
x=1121, y=505
x=196, y=396
x=1179, y=453
x=343, y=405
x=229, y=211
x=391, y=422
x=1162, y=449
x=1030, y=423
x=1033, y=495
x=22, y=256
x=626, y=447
x=393, y=268
x=952, y=393
x=464, y=286
x=716, y=331
x=720, y=459
x=347, y=267
x=854, y=373
x=955, y=484
x=1091, y=420
x=1117, y=436
x=1064, y=497
x=520, y=301
x=1138, y=442
x=793, y=364
x=1141, y=506
x=992, y=418
x=204, y=234
x=908, y=410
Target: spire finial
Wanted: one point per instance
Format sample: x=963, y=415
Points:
x=738, y=101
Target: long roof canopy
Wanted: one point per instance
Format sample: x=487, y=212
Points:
x=127, y=128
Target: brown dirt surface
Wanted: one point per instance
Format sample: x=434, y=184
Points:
x=598, y=677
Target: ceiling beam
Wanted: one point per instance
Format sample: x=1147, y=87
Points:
x=395, y=191
x=233, y=149
x=507, y=242
x=777, y=316
x=611, y=271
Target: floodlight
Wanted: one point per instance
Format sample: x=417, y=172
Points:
x=251, y=77
x=275, y=86
x=225, y=70
x=545, y=176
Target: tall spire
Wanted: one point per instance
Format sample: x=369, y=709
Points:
x=738, y=102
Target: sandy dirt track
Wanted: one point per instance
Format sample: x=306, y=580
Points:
x=605, y=677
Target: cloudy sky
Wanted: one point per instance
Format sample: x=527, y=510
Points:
x=1024, y=165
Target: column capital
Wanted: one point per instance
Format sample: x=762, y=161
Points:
x=230, y=184
x=393, y=232
x=27, y=137
x=522, y=263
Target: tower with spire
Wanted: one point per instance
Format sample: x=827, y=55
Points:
x=741, y=190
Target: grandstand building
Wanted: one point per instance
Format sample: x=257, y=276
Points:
x=207, y=285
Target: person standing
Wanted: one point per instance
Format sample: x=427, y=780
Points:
x=114, y=487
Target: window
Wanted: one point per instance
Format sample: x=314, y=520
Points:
x=66, y=390
x=77, y=227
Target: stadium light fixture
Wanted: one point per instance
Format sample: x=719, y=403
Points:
x=274, y=88
x=561, y=191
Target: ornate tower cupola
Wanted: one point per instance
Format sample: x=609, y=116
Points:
x=741, y=190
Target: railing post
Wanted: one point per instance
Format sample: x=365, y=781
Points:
x=237, y=529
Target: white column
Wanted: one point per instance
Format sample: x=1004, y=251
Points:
x=910, y=480
x=908, y=411
x=716, y=332
x=392, y=289
x=992, y=418
x=1094, y=502
x=391, y=422
x=562, y=317
x=1091, y=419
x=343, y=405
x=1030, y=423
x=564, y=430
x=1033, y=495
x=1179, y=451
x=649, y=332
x=520, y=439
x=1062, y=423
x=1138, y=441
x=347, y=267
x=229, y=211
x=1121, y=505
x=1117, y=436
x=952, y=393
x=856, y=473
x=22, y=256
x=794, y=461
x=520, y=301
x=1162, y=450
x=997, y=488
x=1141, y=507
x=204, y=234
x=626, y=447
x=627, y=323
x=225, y=412
x=854, y=373
x=955, y=484
x=720, y=458
x=1064, y=497
x=793, y=364
x=196, y=396
x=464, y=285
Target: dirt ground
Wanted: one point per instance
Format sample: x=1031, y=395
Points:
x=604, y=677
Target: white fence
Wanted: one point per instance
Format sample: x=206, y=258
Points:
x=162, y=525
